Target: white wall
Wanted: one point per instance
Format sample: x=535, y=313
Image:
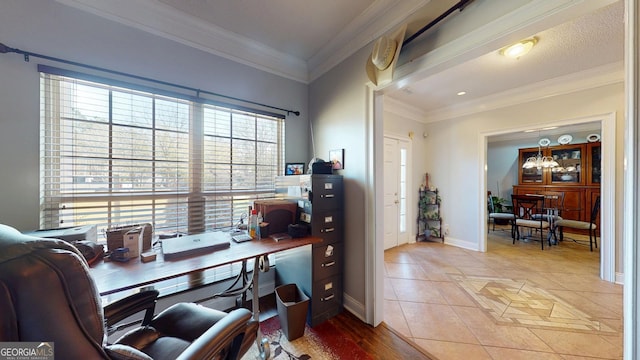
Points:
x=502, y=168
x=49, y=28
x=456, y=141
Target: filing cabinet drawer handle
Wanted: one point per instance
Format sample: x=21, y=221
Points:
x=328, y=196
x=327, y=264
x=327, y=298
x=327, y=230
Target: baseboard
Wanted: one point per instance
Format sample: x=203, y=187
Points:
x=354, y=307
x=619, y=278
x=461, y=243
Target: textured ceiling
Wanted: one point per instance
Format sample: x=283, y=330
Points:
x=591, y=41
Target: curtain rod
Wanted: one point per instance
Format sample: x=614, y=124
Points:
x=6, y=49
x=460, y=5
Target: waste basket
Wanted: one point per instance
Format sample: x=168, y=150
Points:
x=292, y=306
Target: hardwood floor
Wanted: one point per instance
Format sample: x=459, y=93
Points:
x=380, y=342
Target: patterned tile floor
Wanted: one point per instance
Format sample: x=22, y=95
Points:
x=512, y=302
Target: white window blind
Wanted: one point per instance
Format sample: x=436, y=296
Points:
x=114, y=156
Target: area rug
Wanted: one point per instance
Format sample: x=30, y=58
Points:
x=323, y=342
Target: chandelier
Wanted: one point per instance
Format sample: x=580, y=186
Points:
x=540, y=161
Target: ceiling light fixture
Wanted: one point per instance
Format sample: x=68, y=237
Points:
x=461, y=93
x=519, y=49
x=540, y=161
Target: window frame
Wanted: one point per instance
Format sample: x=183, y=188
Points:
x=199, y=202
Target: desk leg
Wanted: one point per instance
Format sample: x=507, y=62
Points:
x=261, y=342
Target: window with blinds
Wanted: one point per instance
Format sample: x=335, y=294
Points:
x=114, y=156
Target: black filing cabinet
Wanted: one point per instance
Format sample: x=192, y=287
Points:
x=317, y=269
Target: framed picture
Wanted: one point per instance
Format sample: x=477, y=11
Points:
x=294, y=169
x=337, y=159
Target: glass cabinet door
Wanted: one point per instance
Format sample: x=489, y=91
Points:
x=570, y=169
x=531, y=175
x=594, y=163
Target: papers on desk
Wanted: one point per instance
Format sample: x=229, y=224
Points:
x=194, y=244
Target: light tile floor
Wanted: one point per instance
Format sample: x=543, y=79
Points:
x=512, y=302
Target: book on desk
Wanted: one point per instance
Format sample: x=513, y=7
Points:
x=189, y=245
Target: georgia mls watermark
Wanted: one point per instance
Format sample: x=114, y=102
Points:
x=26, y=351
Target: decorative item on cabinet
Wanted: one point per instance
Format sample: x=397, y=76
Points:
x=336, y=157
x=429, y=221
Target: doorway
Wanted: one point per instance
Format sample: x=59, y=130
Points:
x=396, y=169
x=608, y=193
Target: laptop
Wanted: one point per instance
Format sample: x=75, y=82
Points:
x=198, y=244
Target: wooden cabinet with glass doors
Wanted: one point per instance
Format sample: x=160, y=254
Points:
x=571, y=159
x=594, y=172
x=577, y=176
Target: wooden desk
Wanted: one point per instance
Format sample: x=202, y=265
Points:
x=112, y=277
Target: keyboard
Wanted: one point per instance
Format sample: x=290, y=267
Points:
x=241, y=237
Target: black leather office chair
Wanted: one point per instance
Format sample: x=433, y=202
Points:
x=47, y=295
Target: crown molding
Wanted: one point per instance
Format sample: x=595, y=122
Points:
x=379, y=18
x=589, y=79
x=399, y=108
x=162, y=20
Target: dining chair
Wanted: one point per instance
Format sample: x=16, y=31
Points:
x=583, y=225
x=553, y=206
x=525, y=209
x=494, y=215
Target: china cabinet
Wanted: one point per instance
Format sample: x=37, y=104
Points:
x=577, y=176
x=571, y=169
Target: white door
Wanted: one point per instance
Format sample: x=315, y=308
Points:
x=395, y=185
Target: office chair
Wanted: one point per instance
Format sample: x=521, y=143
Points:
x=583, y=225
x=48, y=295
